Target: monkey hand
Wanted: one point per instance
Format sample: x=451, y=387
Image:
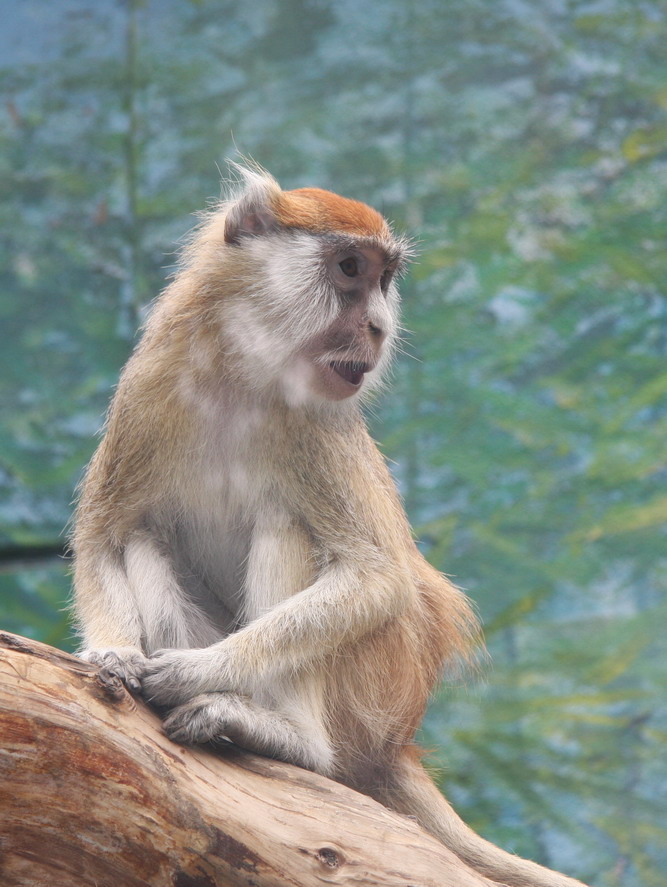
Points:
x=172, y=677
x=127, y=663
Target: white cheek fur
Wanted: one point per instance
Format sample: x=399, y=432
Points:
x=298, y=383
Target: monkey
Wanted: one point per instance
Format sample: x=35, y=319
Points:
x=242, y=557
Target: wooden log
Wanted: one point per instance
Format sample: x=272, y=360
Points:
x=93, y=794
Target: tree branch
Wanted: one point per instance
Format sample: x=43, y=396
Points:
x=93, y=793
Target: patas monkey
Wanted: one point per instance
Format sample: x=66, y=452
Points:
x=241, y=553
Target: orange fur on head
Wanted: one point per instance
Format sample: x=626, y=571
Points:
x=319, y=211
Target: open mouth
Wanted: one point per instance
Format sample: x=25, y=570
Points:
x=351, y=371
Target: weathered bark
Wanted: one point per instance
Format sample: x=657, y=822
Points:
x=92, y=793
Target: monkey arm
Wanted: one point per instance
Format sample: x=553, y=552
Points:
x=346, y=601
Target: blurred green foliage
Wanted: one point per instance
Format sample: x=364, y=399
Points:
x=525, y=148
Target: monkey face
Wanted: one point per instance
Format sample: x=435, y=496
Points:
x=319, y=322
x=350, y=354
x=303, y=283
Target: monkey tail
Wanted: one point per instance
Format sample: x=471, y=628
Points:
x=411, y=791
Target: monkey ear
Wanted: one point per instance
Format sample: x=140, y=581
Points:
x=250, y=217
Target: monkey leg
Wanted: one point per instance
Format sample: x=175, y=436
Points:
x=212, y=716
x=408, y=789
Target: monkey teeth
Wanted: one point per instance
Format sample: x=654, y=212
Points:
x=351, y=371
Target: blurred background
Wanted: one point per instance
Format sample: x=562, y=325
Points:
x=524, y=146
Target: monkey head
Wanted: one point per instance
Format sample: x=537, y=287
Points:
x=308, y=302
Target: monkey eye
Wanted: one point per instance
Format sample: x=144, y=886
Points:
x=349, y=267
x=385, y=280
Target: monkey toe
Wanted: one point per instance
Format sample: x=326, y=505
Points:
x=131, y=682
x=126, y=665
